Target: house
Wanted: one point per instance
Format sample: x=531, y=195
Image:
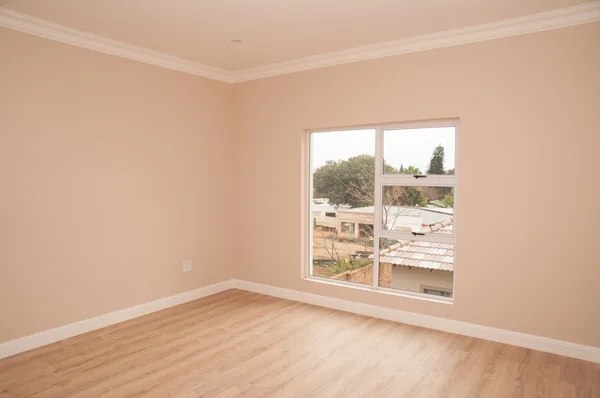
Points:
x=358, y=222
x=410, y=265
x=324, y=214
x=170, y=179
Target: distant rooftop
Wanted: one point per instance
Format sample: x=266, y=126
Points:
x=320, y=201
x=428, y=215
x=430, y=255
x=324, y=207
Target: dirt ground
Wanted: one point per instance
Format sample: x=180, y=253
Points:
x=322, y=246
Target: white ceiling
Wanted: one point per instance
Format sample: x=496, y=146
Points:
x=271, y=31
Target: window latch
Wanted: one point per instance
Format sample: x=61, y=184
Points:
x=420, y=175
x=418, y=233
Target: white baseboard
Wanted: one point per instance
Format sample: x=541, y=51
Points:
x=559, y=347
x=87, y=325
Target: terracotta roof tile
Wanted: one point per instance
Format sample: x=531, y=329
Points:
x=431, y=255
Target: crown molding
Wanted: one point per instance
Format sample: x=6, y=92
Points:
x=49, y=30
x=561, y=18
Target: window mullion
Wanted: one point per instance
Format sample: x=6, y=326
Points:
x=378, y=203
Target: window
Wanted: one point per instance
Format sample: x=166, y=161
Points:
x=329, y=214
x=394, y=188
x=347, y=227
x=442, y=293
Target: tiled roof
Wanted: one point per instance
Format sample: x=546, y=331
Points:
x=430, y=255
x=444, y=227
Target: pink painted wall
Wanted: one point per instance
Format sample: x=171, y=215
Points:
x=528, y=257
x=111, y=175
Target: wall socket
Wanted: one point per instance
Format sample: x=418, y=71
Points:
x=187, y=266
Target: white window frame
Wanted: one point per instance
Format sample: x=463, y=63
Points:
x=382, y=180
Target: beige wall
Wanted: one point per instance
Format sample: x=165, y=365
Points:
x=112, y=172
x=111, y=175
x=527, y=151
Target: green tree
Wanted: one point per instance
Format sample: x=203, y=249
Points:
x=409, y=170
x=348, y=182
x=448, y=199
x=328, y=184
x=404, y=196
x=352, y=182
x=436, y=165
x=414, y=196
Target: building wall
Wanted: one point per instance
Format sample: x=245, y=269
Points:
x=401, y=277
x=528, y=109
x=352, y=217
x=108, y=171
x=349, y=216
x=320, y=219
x=364, y=275
x=415, y=279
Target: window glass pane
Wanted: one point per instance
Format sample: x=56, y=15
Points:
x=419, y=151
x=423, y=209
x=343, y=179
x=417, y=266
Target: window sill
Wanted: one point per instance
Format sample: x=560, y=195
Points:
x=381, y=290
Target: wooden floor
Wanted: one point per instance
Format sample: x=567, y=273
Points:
x=238, y=343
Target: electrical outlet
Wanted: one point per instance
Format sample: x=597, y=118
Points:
x=187, y=266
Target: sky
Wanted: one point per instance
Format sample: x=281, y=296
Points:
x=409, y=147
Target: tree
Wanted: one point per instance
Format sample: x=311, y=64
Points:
x=328, y=183
x=333, y=179
x=436, y=165
x=394, y=199
x=352, y=182
x=410, y=170
x=448, y=199
x=412, y=196
x=339, y=180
